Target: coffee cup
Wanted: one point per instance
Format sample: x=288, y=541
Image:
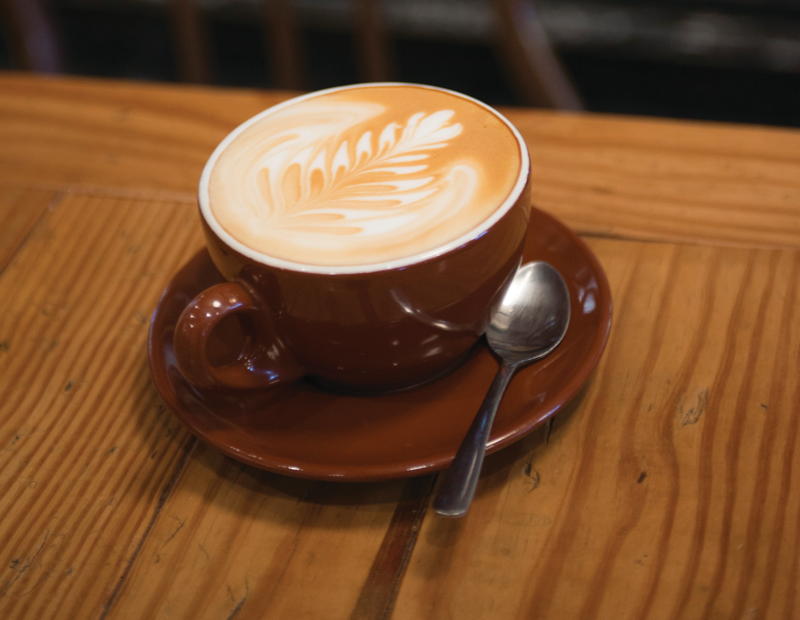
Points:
x=364, y=234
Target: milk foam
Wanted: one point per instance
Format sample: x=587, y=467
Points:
x=363, y=175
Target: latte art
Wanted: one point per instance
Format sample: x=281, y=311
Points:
x=362, y=175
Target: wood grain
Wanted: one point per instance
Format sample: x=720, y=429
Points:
x=139, y=137
x=20, y=210
x=87, y=451
x=663, y=180
x=666, y=491
x=604, y=175
x=93, y=454
x=234, y=541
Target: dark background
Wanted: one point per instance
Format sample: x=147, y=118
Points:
x=737, y=60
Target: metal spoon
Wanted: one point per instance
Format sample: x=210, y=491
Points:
x=529, y=323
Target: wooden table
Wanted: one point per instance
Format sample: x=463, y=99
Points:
x=669, y=490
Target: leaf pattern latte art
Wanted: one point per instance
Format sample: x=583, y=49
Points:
x=362, y=175
x=362, y=181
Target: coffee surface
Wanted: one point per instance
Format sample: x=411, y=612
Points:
x=363, y=175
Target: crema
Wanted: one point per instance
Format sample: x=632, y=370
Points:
x=362, y=175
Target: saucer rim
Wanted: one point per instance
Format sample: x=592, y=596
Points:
x=365, y=472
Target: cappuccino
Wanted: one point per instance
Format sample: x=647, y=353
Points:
x=363, y=175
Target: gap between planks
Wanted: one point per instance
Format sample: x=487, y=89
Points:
x=55, y=200
x=183, y=461
x=400, y=540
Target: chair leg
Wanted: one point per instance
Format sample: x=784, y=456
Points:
x=371, y=41
x=534, y=67
x=284, y=53
x=32, y=34
x=191, y=41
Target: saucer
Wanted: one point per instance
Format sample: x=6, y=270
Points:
x=301, y=430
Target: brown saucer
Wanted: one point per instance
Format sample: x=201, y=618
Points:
x=300, y=430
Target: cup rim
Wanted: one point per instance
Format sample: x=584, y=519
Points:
x=406, y=261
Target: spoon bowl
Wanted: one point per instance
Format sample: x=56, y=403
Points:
x=529, y=323
x=533, y=315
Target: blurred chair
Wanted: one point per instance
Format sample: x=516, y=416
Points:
x=33, y=44
x=533, y=65
x=520, y=39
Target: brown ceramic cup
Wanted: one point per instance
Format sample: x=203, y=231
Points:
x=366, y=328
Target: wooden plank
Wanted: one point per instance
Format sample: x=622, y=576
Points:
x=604, y=175
x=87, y=453
x=233, y=541
x=667, y=492
x=667, y=180
x=148, y=138
x=20, y=210
x=90, y=458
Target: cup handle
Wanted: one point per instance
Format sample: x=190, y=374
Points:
x=263, y=361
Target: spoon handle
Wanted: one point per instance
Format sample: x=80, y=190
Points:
x=460, y=480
